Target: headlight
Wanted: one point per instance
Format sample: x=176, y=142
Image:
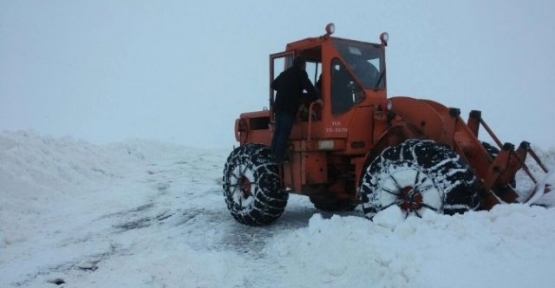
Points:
x=325, y=145
x=384, y=37
x=330, y=28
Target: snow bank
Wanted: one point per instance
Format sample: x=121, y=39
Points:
x=525, y=186
x=38, y=173
x=506, y=247
x=148, y=214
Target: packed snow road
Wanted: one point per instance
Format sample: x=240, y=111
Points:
x=126, y=210
x=143, y=214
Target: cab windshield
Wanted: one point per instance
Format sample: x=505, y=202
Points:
x=365, y=61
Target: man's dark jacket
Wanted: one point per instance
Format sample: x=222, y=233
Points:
x=290, y=85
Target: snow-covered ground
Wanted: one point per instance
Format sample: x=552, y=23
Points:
x=146, y=214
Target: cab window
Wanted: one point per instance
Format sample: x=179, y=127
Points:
x=366, y=61
x=345, y=92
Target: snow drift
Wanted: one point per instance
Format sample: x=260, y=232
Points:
x=147, y=214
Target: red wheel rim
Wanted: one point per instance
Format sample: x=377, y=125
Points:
x=245, y=185
x=410, y=199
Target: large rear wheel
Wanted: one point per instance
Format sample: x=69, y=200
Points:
x=418, y=176
x=251, y=186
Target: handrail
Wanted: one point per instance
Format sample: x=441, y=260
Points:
x=528, y=150
x=525, y=168
x=533, y=154
x=310, y=109
x=490, y=132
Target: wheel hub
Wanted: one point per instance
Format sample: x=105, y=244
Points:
x=245, y=186
x=411, y=199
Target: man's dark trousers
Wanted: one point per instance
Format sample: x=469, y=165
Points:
x=282, y=130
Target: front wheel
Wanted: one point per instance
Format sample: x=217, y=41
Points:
x=418, y=176
x=251, y=186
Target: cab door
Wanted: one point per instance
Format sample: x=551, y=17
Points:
x=278, y=63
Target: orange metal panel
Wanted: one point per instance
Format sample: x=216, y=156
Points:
x=360, y=130
x=315, y=167
x=421, y=115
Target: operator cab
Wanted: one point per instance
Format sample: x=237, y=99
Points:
x=361, y=67
x=345, y=72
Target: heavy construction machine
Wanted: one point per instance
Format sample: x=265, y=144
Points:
x=360, y=147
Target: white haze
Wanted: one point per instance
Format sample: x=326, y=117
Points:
x=182, y=71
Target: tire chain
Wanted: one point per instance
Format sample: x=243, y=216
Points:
x=269, y=201
x=448, y=173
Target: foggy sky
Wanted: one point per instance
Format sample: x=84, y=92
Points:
x=182, y=71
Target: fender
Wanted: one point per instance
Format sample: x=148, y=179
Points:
x=412, y=118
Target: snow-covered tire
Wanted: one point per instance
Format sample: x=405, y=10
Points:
x=251, y=186
x=493, y=152
x=417, y=176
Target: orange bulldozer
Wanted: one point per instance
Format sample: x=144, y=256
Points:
x=361, y=147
